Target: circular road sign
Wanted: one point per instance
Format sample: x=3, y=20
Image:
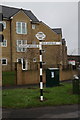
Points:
x=40, y=36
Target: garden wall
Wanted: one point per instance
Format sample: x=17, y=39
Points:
x=32, y=76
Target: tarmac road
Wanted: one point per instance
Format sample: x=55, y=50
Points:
x=54, y=112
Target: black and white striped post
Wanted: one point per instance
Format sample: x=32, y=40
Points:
x=41, y=81
x=40, y=36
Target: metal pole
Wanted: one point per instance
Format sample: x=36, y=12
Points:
x=41, y=81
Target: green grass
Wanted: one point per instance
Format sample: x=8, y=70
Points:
x=8, y=78
x=24, y=97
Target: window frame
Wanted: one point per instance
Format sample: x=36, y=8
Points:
x=25, y=42
x=26, y=63
x=33, y=26
x=21, y=27
x=4, y=45
x=3, y=59
x=19, y=59
x=4, y=24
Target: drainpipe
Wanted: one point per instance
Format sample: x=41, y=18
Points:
x=11, y=44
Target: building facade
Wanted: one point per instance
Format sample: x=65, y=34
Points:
x=20, y=27
x=74, y=60
x=1, y=40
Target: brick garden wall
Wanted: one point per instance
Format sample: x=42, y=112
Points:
x=32, y=76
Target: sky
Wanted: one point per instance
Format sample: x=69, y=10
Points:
x=56, y=15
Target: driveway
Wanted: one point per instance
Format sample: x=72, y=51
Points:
x=65, y=111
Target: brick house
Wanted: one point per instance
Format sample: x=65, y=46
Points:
x=74, y=60
x=20, y=27
x=1, y=40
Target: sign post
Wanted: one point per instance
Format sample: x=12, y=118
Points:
x=40, y=36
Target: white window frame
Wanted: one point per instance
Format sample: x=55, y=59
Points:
x=22, y=49
x=18, y=59
x=33, y=26
x=26, y=63
x=3, y=42
x=4, y=24
x=2, y=60
x=21, y=28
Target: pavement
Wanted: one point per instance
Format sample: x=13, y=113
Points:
x=48, y=113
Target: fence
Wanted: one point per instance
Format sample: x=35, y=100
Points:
x=32, y=76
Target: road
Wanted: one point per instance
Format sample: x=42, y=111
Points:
x=55, y=112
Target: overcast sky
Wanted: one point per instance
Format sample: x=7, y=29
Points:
x=57, y=15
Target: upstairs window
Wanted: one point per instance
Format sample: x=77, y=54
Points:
x=4, y=43
x=4, y=24
x=33, y=26
x=21, y=28
x=21, y=42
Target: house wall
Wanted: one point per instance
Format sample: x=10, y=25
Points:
x=52, y=55
x=22, y=18
x=6, y=51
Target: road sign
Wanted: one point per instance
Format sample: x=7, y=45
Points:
x=29, y=46
x=51, y=43
x=37, y=45
x=40, y=36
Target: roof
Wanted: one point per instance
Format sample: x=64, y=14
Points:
x=8, y=12
x=57, y=30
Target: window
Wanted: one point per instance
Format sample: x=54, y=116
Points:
x=21, y=42
x=19, y=60
x=4, y=61
x=23, y=62
x=33, y=26
x=4, y=43
x=4, y=24
x=21, y=28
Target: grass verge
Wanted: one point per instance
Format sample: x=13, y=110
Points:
x=24, y=97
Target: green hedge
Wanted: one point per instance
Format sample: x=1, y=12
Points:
x=8, y=78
